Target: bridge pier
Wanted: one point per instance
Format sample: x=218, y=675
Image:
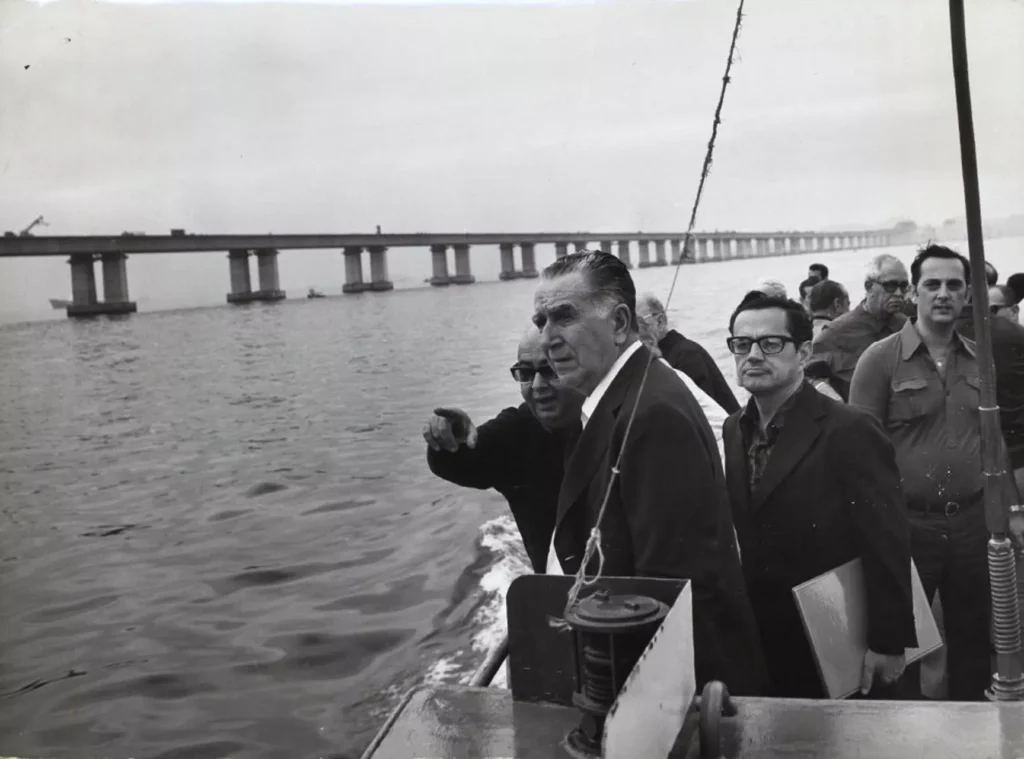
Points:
x=84, y=300
x=354, y=271
x=580, y=246
x=379, y=281
x=645, y=254
x=659, y=253
x=528, y=252
x=624, y=253
x=675, y=251
x=241, y=282
x=463, y=276
x=270, y=284
x=508, y=261
x=606, y=246
x=439, y=262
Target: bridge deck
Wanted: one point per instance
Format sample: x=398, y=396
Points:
x=14, y=246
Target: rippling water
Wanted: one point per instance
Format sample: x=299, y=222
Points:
x=218, y=533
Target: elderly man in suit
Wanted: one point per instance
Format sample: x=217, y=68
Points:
x=519, y=453
x=683, y=354
x=813, y=484
x=668, y=512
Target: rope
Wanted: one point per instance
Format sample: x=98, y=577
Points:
x=594, y=541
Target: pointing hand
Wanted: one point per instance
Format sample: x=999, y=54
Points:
x=448, y=428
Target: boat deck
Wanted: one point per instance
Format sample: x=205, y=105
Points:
x=454, y=722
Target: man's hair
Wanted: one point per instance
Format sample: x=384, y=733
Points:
x=806, y=285
x=1016, y=283
x=771, y=288
x=877, y=263
x=820, y=268
x=799, y=323
x=937, y=251
x=607, y=274
x=654, y=305
x=825, y=293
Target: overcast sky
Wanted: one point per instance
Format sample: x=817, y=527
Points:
x=242, y=116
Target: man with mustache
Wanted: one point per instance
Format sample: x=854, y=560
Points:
x=837, y=349
x=922, y=385
x=667, y=513
x=519, y=453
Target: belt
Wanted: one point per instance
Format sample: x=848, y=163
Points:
x=945, y=508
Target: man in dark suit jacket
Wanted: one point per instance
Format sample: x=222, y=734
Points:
x=686, y=355
x=668, y=512
x=519, y=453
x=813, y=484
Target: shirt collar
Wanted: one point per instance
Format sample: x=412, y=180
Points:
x=590, y=404
x=911, y=340
x=752, y=417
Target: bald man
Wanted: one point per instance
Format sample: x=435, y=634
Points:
x=519, y=453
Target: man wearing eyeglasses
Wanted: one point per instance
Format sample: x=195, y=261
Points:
x=922, y=385
x=837, y=350
x=519, y=453
x=1001, y=302
x=813, y=484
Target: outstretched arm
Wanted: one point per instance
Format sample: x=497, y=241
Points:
x=497, y=457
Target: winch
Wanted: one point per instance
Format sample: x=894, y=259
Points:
x=610, y=633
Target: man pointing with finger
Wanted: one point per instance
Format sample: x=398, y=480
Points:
x=519, y=453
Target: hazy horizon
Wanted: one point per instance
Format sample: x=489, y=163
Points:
x=239, y=116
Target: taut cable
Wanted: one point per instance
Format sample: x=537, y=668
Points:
x=594, y=541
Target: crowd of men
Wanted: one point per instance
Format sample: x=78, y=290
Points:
x=860, y=439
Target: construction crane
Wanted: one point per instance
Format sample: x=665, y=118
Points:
x=27, y=231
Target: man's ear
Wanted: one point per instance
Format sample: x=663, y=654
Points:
x=804, y=352
x=622, y=323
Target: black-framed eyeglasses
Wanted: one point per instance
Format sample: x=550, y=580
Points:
x=769, y=344
x=892, y=285
x=522, y=373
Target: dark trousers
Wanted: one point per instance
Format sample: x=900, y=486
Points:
x=951, y=557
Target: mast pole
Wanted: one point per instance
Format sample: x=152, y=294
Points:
x=1008, y=680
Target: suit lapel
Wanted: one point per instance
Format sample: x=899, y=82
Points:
x=737, y=465
x=592, y=446
x=800, y=430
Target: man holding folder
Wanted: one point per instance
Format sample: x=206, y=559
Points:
x=813, y=484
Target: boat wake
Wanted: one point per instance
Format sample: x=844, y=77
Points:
x=499, y=559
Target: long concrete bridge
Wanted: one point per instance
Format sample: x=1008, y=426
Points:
x=113, y=251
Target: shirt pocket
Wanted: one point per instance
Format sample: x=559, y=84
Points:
x=909, y=400
x=970, y=393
